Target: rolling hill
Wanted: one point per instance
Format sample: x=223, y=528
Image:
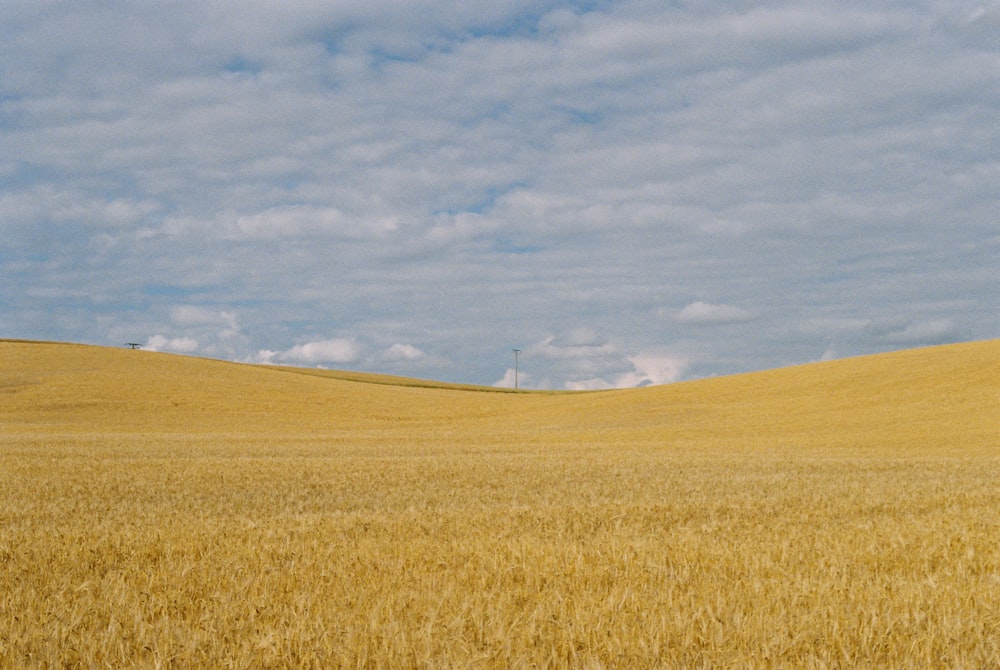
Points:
x=930, y=397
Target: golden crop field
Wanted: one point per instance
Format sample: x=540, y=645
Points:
x=164, y=511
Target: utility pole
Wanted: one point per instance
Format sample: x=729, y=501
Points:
x=516, y=352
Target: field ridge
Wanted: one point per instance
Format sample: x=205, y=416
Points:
x=950, y=389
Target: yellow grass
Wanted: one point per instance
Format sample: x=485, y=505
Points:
x=166, y=511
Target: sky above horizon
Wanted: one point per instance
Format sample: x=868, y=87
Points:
x=628, y=192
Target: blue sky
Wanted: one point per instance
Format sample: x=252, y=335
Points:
x=629, y=192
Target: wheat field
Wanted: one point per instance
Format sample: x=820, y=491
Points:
x=162, y=511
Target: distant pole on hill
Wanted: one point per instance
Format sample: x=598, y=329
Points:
x=132, y=345
x=516, y=352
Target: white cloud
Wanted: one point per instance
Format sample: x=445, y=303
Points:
x=583, y=359
x=180, y=345
x=582, y=343
x=403, y=352
x=647, y=369
x=524, y=380
x=653, y=369
x=933, y=331
x=337, y=350
x=699, y=313
x=398, y=357
x=263, y=357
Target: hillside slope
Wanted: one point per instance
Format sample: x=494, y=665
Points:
x=937, y=396
x=940, y=397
